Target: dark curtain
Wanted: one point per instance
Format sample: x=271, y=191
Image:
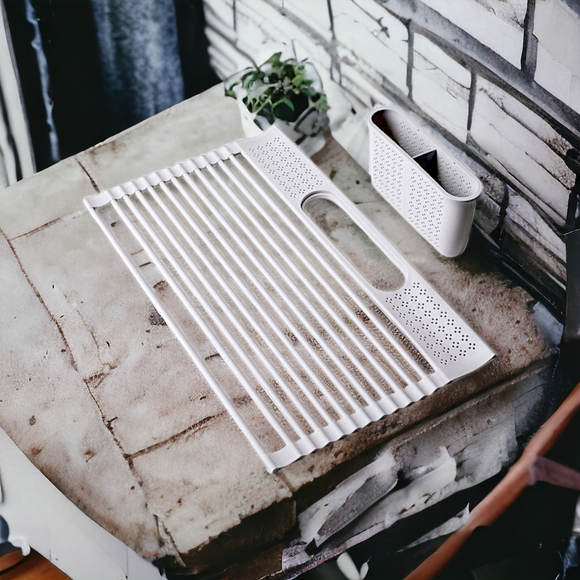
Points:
x=91, y=68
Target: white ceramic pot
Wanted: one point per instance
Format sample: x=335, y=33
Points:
x=307, y=131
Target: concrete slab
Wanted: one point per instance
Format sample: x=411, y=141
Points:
x=98, y=393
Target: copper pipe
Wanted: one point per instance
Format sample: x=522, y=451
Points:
x=520, y=475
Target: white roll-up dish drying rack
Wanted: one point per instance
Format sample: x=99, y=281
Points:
x=313, y=350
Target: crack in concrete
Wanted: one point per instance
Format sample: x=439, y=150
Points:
x=90, y=331
x=108, y=424
x=163, y=531
x=93, y=182
x=38, y=229
x=41, y=300
x=191, y=429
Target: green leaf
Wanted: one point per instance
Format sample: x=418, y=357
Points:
x=298, y=80
x=285, y=101
x=274, y=59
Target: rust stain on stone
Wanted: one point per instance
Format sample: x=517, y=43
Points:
x=93, y=182
x=156, y=319
x=189, y=430
x=161, y=286
x=38, y=229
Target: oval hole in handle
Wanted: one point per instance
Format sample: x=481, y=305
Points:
x=354, y=244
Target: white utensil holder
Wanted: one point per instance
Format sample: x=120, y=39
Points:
x=440, y=213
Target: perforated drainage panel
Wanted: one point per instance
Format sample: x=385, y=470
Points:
x=309, y=351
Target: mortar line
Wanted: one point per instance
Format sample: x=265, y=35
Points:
x=41, y=300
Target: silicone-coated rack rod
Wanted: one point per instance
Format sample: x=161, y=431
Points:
x=258, y=351
x=224, y=399
x=233, y=255
x=341, y=260
x=346, y=350
x=355, y=383
x=320, y=279
x=337, y=320
x=249, y=296
x=291, y=306
x=216, y=320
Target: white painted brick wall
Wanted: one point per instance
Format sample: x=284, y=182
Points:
x=498, y=25
x=382, y=44
x=524, y=144
x=263, y=30
x=522, y=213
x=557, y=28
x=362, y=56
x=368, y=92
x=487, y=214
x=219, y=14
x=441, y=87
x=315, y=14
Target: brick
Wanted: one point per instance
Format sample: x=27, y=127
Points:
x=369, y=92
x=486, y=213
x=441, y=60
x=557, y=28
x=553, y=75
x=539, y=265
x=524, y=145
x=497, y=25
x=441, y=87
x=263, y=30
x=225, y=58
x=381, y=44
x=492, y=186
x=575, y=94
x=523, y=213
x=220, y=13
x=253, y=37
x=313, y=14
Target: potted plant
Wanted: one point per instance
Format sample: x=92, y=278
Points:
x=286, y=92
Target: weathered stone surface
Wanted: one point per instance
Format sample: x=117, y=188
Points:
x=32, y=205
x=131, y=397
x=199, y=490
x=180, y=132
x=46, y=406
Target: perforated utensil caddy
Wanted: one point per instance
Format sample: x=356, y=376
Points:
x=314, y=350
x=440, y=212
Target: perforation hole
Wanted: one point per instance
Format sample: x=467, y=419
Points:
x=388, y=171
x=425, y=207
x=289, y=171
x=438, y=328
